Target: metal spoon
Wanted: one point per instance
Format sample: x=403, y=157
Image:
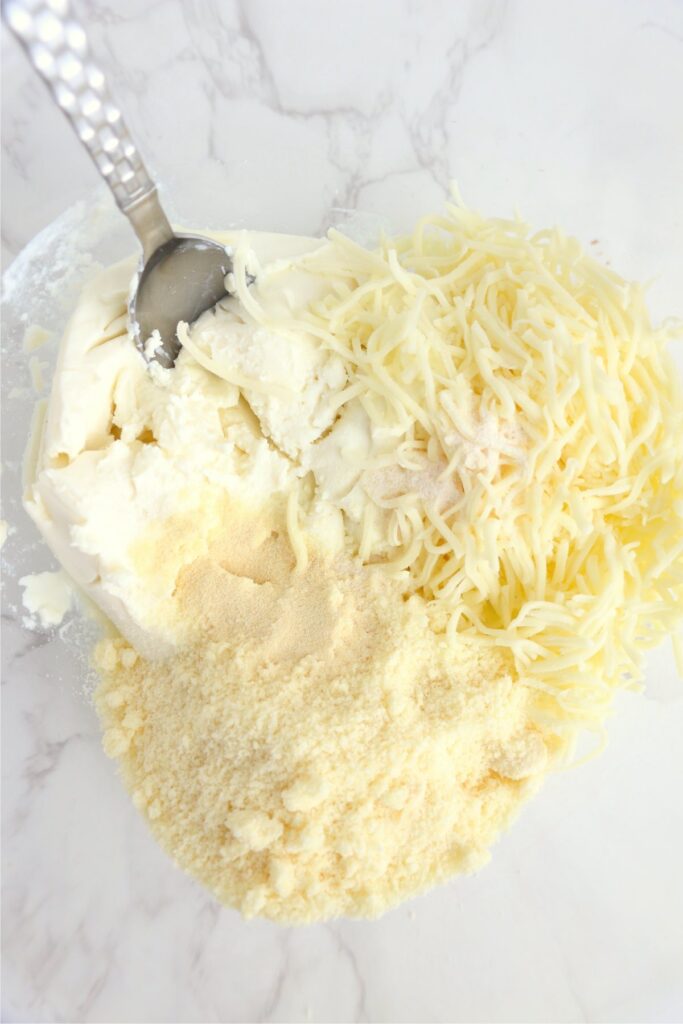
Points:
x=181, y=275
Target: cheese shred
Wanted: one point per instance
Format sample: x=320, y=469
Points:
x=567, y=547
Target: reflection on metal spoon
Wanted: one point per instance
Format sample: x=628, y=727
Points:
x=181, y=280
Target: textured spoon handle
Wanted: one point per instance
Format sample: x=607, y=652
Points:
x=58, y=49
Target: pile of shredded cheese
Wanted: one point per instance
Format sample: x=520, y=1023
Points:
x=570, y=556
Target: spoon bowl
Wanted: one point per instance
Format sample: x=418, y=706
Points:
x=181, y=280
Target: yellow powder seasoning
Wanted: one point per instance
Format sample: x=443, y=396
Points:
x=334, y=774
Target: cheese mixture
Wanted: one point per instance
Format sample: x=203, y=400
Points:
x=385, y=540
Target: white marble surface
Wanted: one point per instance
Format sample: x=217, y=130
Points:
x=274, y=114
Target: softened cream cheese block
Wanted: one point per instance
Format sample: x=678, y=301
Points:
x=121, y=449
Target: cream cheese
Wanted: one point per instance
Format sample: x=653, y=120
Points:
x=122, y=448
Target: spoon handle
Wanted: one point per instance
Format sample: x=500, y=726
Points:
x=57, y=46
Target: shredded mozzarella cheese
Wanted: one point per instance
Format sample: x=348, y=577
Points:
x=567, y=547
